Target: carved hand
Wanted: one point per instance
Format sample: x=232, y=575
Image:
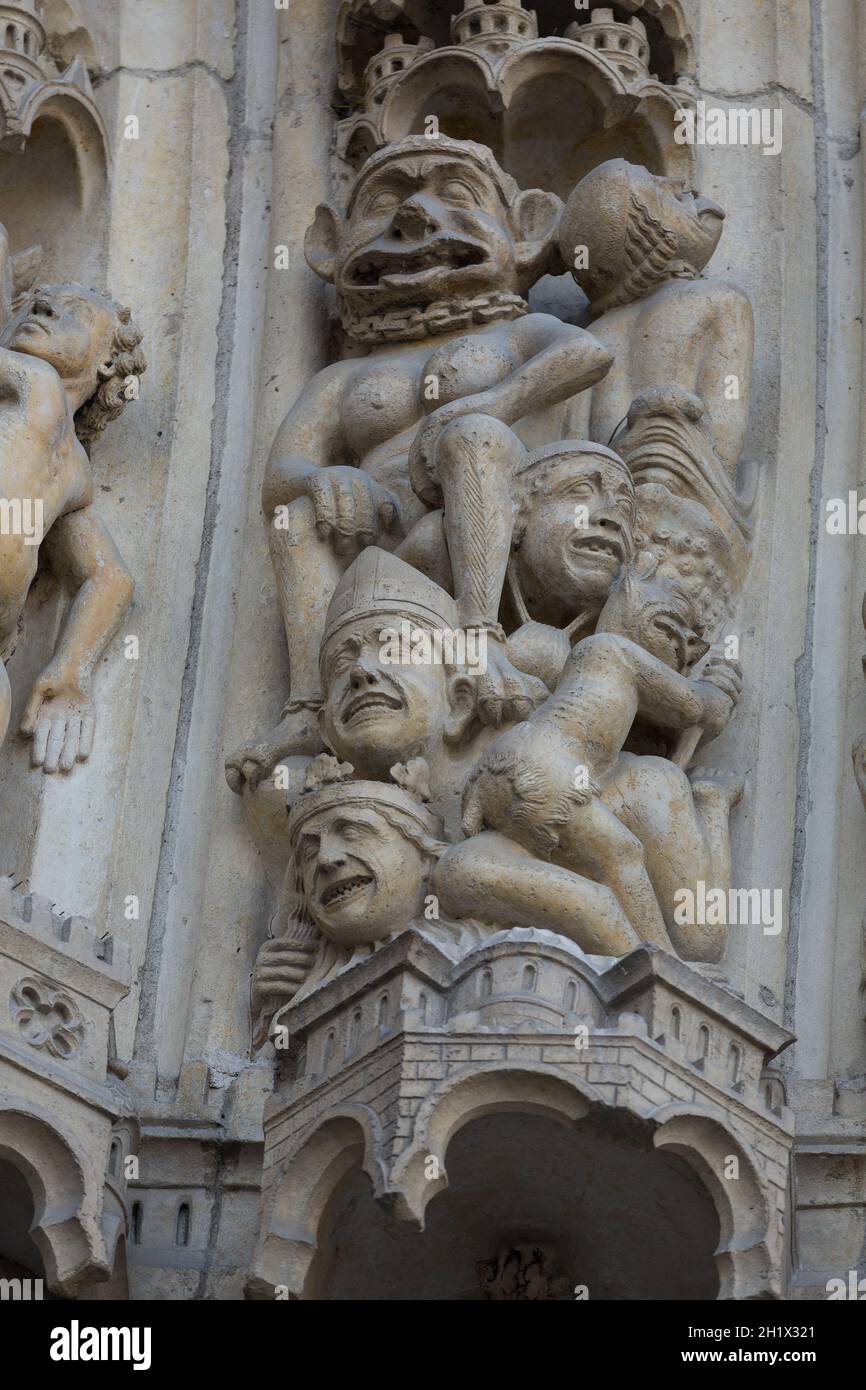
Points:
x=720, y=684
x=505, y=694
x=349, y=505
x=281, y=968
x=60, y=719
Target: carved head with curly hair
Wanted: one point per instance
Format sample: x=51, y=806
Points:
x=92, y=342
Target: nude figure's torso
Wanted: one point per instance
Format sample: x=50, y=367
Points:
x=688, y=333
x=40, y=460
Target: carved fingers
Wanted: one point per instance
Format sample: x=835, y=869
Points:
x=506, y=695
x=720, y=684
x=281, y=968
x=350, y=507
x=60, y=720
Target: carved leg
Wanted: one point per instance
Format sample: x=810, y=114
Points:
x=476, y=460
x=594, y=842
x=494, y=879
x=683, y=828
x=716, y=791
x=307, y=571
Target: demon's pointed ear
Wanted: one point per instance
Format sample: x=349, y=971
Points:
x=535, y=216
x=322, y=240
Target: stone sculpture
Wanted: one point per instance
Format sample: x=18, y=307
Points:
x=680, y=385
x=430, y=268
x=68, y=358
x=458, y=480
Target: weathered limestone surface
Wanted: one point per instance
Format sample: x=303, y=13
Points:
x=437, y=908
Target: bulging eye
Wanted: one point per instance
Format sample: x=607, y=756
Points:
x=385, y=201
x=456, y=191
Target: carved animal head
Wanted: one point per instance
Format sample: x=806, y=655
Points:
x=658, y=615
x=637, y=229
x=432, y=221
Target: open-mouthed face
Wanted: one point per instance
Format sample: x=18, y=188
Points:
x=695, y=221
x=425, y=227
x=577, y=537
x=362, y=879
x=68, y=327
x=377, y=712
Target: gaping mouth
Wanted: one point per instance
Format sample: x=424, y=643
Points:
x=594, y=543
x=372, y=700
x=707, y=209
x=343, y=890
x=405, y=261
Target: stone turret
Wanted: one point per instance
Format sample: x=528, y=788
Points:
x=625, y=45
x=494, y=25
x=386, y=67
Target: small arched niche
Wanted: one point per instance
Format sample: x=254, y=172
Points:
x=54, y=194
x=19, y=1255
x=609, y=1212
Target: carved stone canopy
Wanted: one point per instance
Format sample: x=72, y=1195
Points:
x=31, y=86
x=504, y=77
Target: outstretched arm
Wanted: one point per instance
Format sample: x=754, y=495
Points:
x=59, y=714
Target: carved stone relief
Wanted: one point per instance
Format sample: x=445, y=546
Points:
x=70, y=359
x=470, y=574
x=46, y=1017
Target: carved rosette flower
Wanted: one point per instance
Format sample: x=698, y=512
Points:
x=46, y=1017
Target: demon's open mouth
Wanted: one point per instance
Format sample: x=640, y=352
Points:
x=443, y=254
x=344, y=889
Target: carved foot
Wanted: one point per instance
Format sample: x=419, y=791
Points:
x=719, y=784
x=296, y=734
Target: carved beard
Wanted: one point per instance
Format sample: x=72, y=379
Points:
x=401, y=325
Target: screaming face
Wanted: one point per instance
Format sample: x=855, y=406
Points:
x=432, y=221
x=362, y=879
x=422, y=229
x=577, y=536
x=377, y=713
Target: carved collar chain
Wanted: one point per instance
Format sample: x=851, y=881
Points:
x=405, y=324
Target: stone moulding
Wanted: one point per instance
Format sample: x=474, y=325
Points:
x=523, y=1021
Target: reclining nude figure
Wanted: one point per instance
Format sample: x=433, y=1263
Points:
x=430, y=266
x=547, y=786
x=65, y=360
